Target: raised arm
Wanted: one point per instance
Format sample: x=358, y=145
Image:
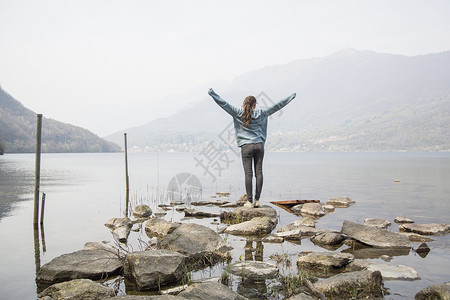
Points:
x=232, y=110
x=282, y=103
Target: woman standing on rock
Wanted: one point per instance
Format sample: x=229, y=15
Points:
x=250, y=126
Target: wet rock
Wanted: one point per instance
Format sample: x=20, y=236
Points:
x=398, y=272
x=88, y=264
x=367, y=283
x=242, y=214
x=414, y=237
x=201, y=244
x=78, y=289
x=304, y=230
x=133, y=297
x=149, y=270
x=306, y=221
x=426, y=229
x=370, y=253
x=160, y=228
x=328, y=238
x=209, y=290
x=273, y=239
x=189, y=212
x=254, y=269
x=297, y=208
x=142, y=211
x=438, y=292
x=229, y=205
x=242, y=200
x=340, y=202
x=293, y=235
x=159, y=212
x=210, y=202
x=312, y=209
x=328, y=208
x=357, y=265
x=324, y=259
x=380, y=223
x=403, y=219
x=120, y=227
x=100, y=246
x=375, y=237
x=256, y=226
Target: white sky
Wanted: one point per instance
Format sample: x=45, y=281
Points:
x=107, y=65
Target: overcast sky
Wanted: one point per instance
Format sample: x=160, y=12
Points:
x=107, y=65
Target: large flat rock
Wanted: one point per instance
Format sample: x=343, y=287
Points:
x=201, y=244
x=88, y=264
x=242, y=214
x=209, y=290
x=375, y=237
x=256, y=226
x=426, y=229
x=78, y=289
x=254, y=269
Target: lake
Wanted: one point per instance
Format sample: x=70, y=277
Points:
x=83, y=191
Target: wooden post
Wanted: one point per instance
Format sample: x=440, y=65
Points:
x=37, y=175
x=42, y=208
x=126, y=177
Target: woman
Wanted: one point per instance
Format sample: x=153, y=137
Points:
x=250, y=125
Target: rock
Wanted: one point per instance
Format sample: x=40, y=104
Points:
x=306, y=221
x=375, y=237
x=423, y=250
x=100, y=246
x=328, y=208
x=201, y=244
x=380, y=223
x=78, y=289
x=210, y=202
x=304, y=230
x=120, y=227
x=151, y=269
x=293, y=235
x=340, y=202
x=88, y=264
x=414, y=237
x=371, y=253
x=142, y=211
x=242, y=200
x=256, y=226
x=242, y=214
x=398, y=272
x=209, y=290
x=160, y=228
x=133, y=297
x=357, y=265
x=324, y=259
x=257, y=270
x=229, y=205
x=301, y=296
x=345, y=284
x=189, y=212
x=312, y=209
x=426, y=229
x=159, y=212
x=297, y=208
x=273, y=239
x=402, y=219
x=176, y=202
x=440, y=291
x=328, y=238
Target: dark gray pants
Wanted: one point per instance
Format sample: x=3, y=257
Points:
x=252, y=155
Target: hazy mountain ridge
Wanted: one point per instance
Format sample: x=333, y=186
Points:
x=18, y=132
x=350, y=100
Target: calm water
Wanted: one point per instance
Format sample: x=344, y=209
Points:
x=86, y=190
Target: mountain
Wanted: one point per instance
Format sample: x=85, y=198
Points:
x=348, y=101
x=18, y=132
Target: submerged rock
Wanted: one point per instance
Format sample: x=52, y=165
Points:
x=256, y=226
x=380, y=223
x=88, y=264
x=189, y=212
x=209, y=290
x=439, y=291
x=340, y=202
x=160, y=228
x=209, y=202
x=142, y=211
x=426, y=229
x=78, y=289
x=398, y=272
x=254, y=269
x=328, y=238
x=415, y=237
x=375, y=237
x=149, y=270
x=120, y=227
x=201, y=244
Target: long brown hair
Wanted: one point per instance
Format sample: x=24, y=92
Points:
x=248, y=106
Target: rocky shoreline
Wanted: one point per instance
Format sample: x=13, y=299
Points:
x=162, y=266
